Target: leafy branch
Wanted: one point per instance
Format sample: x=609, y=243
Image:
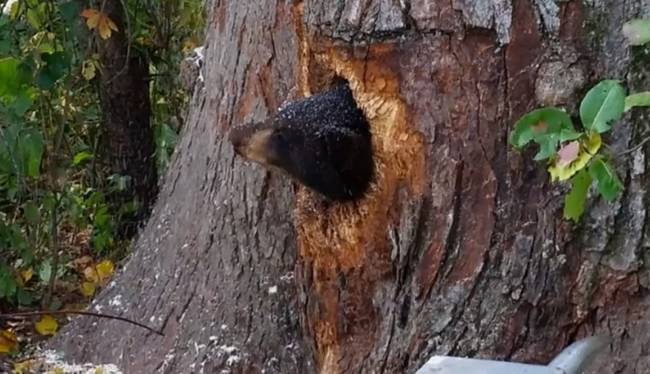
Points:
x=577, y=156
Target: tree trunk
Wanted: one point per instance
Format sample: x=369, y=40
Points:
x=458, y=248
x=127, y=138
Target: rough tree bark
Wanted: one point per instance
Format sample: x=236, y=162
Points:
x=459, y=248
x=127, y=138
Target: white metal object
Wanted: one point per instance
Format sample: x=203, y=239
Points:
x=572, y=360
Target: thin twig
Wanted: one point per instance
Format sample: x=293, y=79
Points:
x=628, y=151
x=21, y=315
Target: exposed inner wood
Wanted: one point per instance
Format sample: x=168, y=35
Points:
x=344, y=248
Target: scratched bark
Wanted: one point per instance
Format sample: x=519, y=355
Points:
x=459, y=247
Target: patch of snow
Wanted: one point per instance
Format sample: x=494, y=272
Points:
x=198, y=348
x=228, y=349
x=116, y=301
x=168, y=359
x=287, y=277
x=54, y=363
x=638, y=163
x=232, y=360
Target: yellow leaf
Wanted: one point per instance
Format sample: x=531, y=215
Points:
x=26, y=275
x=111, y=24
x=47, y=325
x=92, y=17
x=8, y=341
x=100, y=21
x=104, y=270
x=91, y=274
x=588, y=148
x=87, y=288
x=88, y=70
x=105, y=27
x=144, y=41
x=23, y=367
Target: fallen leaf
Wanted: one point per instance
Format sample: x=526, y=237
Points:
x=27, y=274
x=8, y=341
x=47, y=325
x=24, y=367
x=104, y=270
x=82, y=262
x=91, y=274
x=88, y=70
x=87, y=288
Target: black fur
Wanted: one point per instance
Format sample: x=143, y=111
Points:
x=322, y=141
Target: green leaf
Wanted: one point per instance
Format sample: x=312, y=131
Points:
x=569, y=134
x=574, y=202
x=81, y=157
x=637, y=99
x=608, y=183
x=165, y=138
x=27, y=255
x=21, y=104
x=34, y=18
x=547, y=146
x=5, y=45
x=539, y=123
x=45, y=271
x=119, y=183
x=70, y=11
x=24, y=297
x=12, y=77
x=8, y=284
x=637, y=31
x=102, y=217
x=31, y=147
x=56, y=66
x=50, y=201
x=31, y=213
x=546, y=127
x=602, y=105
